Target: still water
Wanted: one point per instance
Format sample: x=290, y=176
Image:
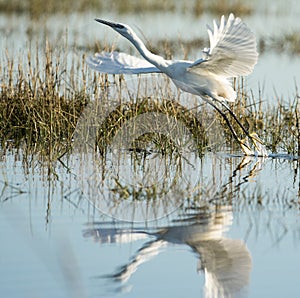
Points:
x=224, y=226
x=237, y=234
x=275, y=75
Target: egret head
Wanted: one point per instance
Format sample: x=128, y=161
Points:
x=120, y=28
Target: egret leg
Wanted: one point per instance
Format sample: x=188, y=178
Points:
x=257, y=142
x=235, y=118
x=243, y=143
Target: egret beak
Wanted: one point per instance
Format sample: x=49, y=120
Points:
x=110, y=24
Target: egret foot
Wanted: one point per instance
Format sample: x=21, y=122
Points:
x=258, y=144
x=260, y=149
x=246, y=147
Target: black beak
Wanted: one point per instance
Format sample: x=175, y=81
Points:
x=113, y=25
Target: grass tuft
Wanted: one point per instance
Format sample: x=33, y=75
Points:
x=41, y=99
x=44, y=92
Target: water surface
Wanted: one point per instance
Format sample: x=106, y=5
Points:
x=223, y=226
x=239, y=233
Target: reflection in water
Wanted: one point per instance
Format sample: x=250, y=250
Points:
x=225, y=262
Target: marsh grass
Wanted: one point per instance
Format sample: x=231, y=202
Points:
x=44, y=92
x=277, y=125
x=286, y=43
x=172, y=109
x=41, y=98
x=38, y=8
x=238, y=7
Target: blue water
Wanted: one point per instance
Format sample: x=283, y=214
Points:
x=227, y=228
x=240, y=237
x=275, y=76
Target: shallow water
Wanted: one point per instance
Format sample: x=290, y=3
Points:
x=275, y=76
x=212, y=225
x=238, y=232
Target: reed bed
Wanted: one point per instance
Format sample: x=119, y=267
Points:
x=38, y=8
x=41, y=98
x=44, y=92
x=162, y=142
x=277, y=124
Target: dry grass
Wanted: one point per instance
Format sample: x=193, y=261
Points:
x=238, y=7
x=277, y=125
x=43, y=94
x=41, y=98
x=38, y=8
x=286, y=43
x=172, y=109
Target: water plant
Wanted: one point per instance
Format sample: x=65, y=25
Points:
x=37, y=8
x=43, y=94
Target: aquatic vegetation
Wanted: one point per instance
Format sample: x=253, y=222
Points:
x=286, y=43
x=39, y=101
x=61, y=209
x=44, y=92
x=237, y=7
x=37, y=8
x=170, y=108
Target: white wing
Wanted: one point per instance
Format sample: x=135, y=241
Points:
x=232, y=50
x=119, y=63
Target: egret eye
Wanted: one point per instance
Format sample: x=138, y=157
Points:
x=119, y=26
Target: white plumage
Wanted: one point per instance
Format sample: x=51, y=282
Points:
x=232, y=49
x=120, y=63
x=232, y=53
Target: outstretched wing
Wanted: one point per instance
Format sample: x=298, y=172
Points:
x=119, y=63
x=232, y=49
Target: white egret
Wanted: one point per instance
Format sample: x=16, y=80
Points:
x=232, y=53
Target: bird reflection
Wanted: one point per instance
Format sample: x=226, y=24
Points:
x=225, y=262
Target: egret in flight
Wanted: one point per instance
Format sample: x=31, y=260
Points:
x=232, y=53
